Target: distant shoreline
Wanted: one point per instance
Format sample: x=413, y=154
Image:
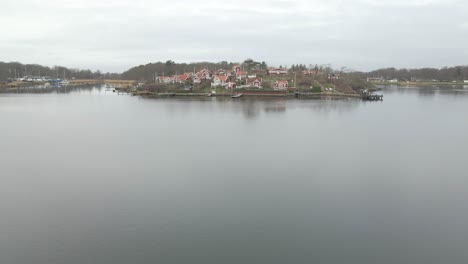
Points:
x=14, y=86
x=420, y=83
x=130, y=87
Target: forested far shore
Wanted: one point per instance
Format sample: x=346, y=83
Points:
x=445, y=74
x=16, y=70
x=147, y=72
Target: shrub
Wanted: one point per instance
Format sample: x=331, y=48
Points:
x=317, y=89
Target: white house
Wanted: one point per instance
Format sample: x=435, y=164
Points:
x=236, y=68
x=281, y=85
x=204, y=74
x=166, y=79
x=241, y=75
x=220, y=81
x=254, y=82
x=231, y=85
x=276, y=71
x=183, y=78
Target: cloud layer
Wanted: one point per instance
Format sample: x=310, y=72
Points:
x=116, y=35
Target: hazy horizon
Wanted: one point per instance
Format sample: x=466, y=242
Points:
x=361, y=35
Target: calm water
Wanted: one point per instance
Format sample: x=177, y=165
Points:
x=87, y=176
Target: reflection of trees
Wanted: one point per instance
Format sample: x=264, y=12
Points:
x=250, y=108
x=427, y=91
x=330, y=104
x=44, y=89
x=275, y=109
x=253, y=107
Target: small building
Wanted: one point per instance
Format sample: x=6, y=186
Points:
x=281, y=85
x=183, y=78
x=312, y=72
x=334, y=76
x=204, y=74
x=236, y=68
x=220, y=81
x=231, y=85
x=197, y=80
x=165, y=79
x=222, y=72
x=33, y=79
x=375, y=79
x=240, y=75
x=276, y=71
x=254, y=82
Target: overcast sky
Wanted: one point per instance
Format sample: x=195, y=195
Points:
x=119, y=34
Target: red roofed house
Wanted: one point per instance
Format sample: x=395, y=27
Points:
x=201, y=76
x=183, y=78
x=254, y=82
x=281, y=85
x=223, y=72
x=204, y=74
x=241, y=75
x=220, y=81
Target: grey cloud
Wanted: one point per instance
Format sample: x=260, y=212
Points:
x=359, y=34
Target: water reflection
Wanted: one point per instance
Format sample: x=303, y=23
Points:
x=91, y=178
x=58, y=89
x=427, y=91
x=255, y=107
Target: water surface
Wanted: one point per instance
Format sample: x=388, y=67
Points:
x=87, y=176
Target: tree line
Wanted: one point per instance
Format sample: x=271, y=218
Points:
x=14, y=70
x=11, y=70
x=149, y=71
x=445, y=74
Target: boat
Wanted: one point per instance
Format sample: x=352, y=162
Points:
x=237, y=95
x=55, y=81
x=209, y=95
x=64, y=81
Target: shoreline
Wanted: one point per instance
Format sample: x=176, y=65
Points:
x=251, y=95
x=121, y=84
x=129, y=87
x=420, y=84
